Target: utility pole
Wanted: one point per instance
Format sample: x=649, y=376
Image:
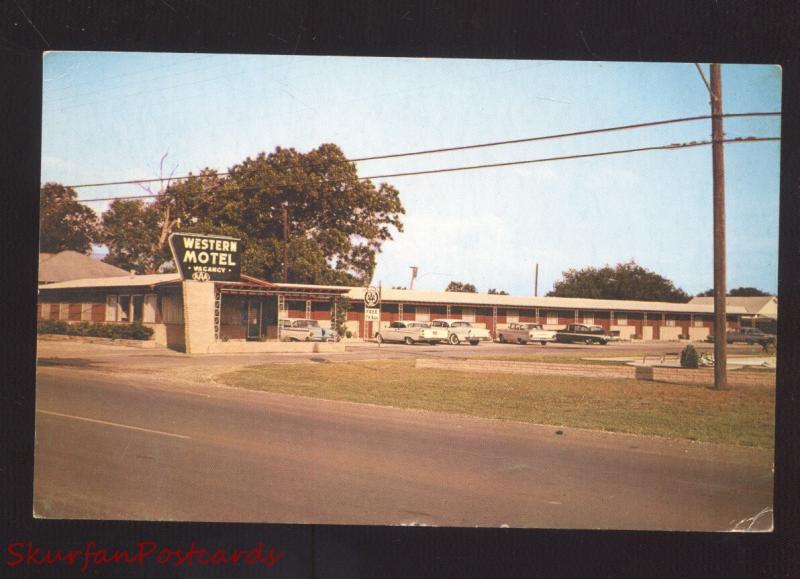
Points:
x=285, y=216
x=718, y=163
x=536, y=282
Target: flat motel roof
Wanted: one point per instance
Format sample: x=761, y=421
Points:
x=421, y=297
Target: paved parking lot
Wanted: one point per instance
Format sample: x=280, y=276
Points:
x=97, y=356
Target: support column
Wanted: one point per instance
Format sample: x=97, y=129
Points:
x=198, y=316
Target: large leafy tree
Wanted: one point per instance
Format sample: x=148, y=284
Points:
x=63, y=222
x=625, y=281
x=336, y=223
x=457, y=286
x=130, y=229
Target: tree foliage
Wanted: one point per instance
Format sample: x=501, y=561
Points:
x=741, y=292
x=497, y=292
x=457, y=286
x=336, y=223
x=625, y=281
x=63, y=222
x=130, y=229
x=747, y=292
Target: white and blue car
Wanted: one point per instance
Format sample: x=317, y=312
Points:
x=459, y=331
x=304, y=330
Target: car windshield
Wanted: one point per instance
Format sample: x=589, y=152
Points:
x=306, y=324
x=419, y=325
x=461, y=325
x=534, y=326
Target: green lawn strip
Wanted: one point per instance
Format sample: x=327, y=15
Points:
x=737, y=416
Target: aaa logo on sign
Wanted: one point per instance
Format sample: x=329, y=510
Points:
x=371, y=297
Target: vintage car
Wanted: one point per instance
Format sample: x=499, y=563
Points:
x=582, y=333
x=461, y=331
x=300, y=330
x=526, y=332
x=411, y=333
x=748, y=335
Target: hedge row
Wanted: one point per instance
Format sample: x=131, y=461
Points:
x=134, y=331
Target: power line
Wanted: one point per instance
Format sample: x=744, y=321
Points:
x=491, y=165
x=466, y=147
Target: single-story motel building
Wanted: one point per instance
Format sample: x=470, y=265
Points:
x=244, y=315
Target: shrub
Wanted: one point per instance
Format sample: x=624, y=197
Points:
x=348, y=334
x=689, y=357
x=134, y=331
x=52, y=327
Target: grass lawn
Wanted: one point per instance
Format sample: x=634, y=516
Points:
x=737, y=416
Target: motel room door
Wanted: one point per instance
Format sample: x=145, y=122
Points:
x=253, y=319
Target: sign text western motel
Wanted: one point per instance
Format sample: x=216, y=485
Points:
x=206, y=257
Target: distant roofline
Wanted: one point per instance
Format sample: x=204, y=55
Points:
x=420, y=297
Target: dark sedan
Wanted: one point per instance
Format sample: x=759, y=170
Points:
x=583, y=334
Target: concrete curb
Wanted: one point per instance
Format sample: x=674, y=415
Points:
x=674, y=375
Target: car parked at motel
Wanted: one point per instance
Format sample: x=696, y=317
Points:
x=749, y=336
x=411, y=333
x=304, y=330
x=524, y=333
x=462, y=331
x=582, y=333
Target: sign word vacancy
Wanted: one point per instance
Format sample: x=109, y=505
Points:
x=206, y=257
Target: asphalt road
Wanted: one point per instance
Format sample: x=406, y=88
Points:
x=111, y=447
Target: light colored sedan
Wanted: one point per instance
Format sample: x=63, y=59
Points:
x=461, y=331
x=524, y=333
x=300, y=330
x=411, y=333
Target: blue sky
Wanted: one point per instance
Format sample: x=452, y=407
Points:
x=111, y=116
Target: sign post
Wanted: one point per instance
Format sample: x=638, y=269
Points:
x=372, y=312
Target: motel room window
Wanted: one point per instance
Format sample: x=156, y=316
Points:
x=670, y=320
x=423, y=314
x=74, y=312
x=512, y=316
x=622, y=320
x=172, y=309
x=552, y=317
x=112, y=307
x=137, y=303
x=697, y=323
x=588, y=319
x=150, y=307
x=124, y=309
x=468, y=314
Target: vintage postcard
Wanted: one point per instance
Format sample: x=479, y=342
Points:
x=398, y=291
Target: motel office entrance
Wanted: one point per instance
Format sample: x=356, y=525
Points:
x=261, y=314
x=253, y=314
